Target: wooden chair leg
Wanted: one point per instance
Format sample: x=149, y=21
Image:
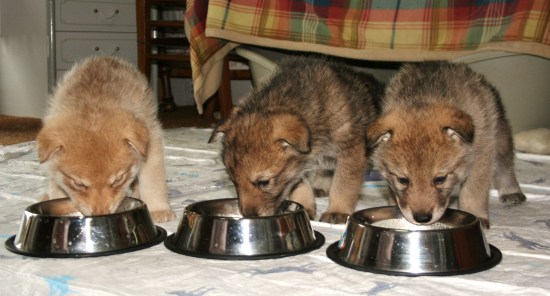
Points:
x=210, y=106
x=224, y=93
x=166, y=103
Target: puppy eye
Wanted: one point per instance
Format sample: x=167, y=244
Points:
x=78, y=185
x=439, y=180
x=262, y=183
x=403, y=180
x=118, y=181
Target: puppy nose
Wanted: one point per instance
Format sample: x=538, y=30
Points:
x=422, y=218
x=248, y=211
x=100, y=211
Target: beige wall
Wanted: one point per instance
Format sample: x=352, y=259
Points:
x=23, y=58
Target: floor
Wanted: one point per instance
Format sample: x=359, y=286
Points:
x=15, y=130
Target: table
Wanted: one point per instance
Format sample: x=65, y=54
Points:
x=379, y=30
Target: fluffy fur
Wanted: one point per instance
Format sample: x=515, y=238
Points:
x=443, y=126
x=101, y=140
x=304, y=128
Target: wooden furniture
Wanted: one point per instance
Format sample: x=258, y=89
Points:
x=162, y=42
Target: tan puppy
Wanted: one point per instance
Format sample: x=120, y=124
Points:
x=101, y=140
x=307, y=121
x=443, y=126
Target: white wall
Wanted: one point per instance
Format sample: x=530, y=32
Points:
x=23, y=58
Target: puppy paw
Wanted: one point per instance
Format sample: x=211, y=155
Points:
x=485, y=222
x=513, y=198
x=311, y=213
x=334, y=218
x=163, y=216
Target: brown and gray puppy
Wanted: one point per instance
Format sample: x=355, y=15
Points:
x=101, y=140
x=308, y=120
x=443, y=126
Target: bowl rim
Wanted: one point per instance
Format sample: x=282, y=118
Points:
x=237, y=218
x=370, y=225
x=67, y=217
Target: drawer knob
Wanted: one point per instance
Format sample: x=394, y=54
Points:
x=115, y=50
x=97, y=11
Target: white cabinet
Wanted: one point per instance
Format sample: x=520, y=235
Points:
x=82, y=28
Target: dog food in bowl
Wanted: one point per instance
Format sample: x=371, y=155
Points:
x=406, y=225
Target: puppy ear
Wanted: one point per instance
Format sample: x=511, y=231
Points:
x=218, y=132
x=385, y=137
x=47, y=144
x=460, y=127
x=378, y=132
x=138, y=138
x=292, y=131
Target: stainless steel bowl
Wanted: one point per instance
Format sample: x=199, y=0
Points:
x=216, y=229
x=55, y=228
x=380, y=240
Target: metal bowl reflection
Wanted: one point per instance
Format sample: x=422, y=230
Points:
x=216, y=229
x=380, y=240
x=55, y=228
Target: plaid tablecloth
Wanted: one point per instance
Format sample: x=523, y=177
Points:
x=390, y=30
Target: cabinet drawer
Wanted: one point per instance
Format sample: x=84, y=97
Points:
x=112, y=16
x=71, y=47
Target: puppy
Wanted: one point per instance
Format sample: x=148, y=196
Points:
x=101, y=140
x=309, y=120
x=442, y=126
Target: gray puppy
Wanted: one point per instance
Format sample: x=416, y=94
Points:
x=443, y=126
x=307, y=122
